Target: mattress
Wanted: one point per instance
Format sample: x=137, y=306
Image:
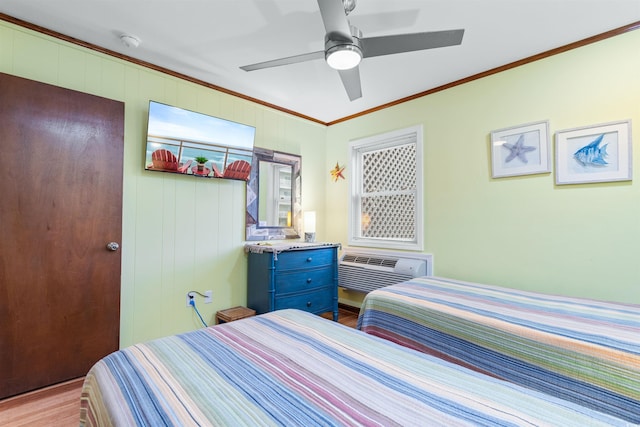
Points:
x=580, y=350
x=292, y=368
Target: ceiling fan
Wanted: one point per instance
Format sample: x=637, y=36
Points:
x=344, y=46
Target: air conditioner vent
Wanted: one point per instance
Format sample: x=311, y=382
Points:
x=365, y=271
x=365, y=260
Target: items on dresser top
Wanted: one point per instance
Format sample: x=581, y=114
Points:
x=278, y=247
x=293, y=275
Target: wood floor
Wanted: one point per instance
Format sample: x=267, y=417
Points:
x=55, y=406
x=59, y=405
x=347, y=316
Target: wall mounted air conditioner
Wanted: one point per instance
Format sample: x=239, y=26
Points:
x=366, y=270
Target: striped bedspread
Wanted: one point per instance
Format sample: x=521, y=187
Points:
x=291, y=368
x=580, y=350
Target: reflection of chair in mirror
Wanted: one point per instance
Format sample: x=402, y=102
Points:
x=164, y=160
x=239, y=169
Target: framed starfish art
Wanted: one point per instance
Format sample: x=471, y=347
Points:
x=520, y=150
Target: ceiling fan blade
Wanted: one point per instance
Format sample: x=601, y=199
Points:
x=285, y=61
x=335, y=20
x=387, y=45
x=351, y=81
x=386, y=21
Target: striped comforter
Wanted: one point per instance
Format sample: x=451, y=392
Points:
x=580, y=350
x=291, y=368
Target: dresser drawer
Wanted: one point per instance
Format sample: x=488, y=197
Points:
x=304, y=280
x=298, y=260
x=317, y=301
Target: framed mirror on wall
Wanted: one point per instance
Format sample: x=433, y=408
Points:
x=274, y=210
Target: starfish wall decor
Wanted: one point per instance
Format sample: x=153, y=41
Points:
x=336, y=172
x=518, y=150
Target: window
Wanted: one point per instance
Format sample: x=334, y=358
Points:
x=386, y=190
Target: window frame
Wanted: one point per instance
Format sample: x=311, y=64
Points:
x=357, y=147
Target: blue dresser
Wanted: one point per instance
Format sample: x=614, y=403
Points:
x=303, y=277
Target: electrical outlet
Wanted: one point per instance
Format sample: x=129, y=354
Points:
x=208, y=297
x=190, y=296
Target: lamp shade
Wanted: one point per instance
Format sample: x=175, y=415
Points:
x=310, y=222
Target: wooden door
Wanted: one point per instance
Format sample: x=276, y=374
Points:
x=60, y=204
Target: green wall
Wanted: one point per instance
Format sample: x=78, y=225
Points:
x=522, y=232
x=182, y=234
x=179, y=233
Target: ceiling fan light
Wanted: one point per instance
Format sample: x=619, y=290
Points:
x=343, y=57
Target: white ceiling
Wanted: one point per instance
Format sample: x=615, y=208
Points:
x=209, y=39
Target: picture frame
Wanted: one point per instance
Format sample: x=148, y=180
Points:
x=520, y=150
x=598, y=153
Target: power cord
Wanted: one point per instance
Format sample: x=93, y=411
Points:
x=196, y=292
x=192, y=302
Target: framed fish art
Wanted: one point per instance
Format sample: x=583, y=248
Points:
x=520, y=150
x=599, y=153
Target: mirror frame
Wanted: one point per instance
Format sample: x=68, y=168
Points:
x=253, y=230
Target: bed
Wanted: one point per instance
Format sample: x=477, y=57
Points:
x=581, y=350
x=292, y=368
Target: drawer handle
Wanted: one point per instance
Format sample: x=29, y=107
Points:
x=308, y=303
x=309, y=280
x=309, y=259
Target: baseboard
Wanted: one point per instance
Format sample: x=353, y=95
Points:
x=349, y=308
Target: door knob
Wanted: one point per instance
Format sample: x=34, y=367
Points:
x=113, y=246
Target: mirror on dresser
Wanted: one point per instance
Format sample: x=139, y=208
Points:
x=274, y=211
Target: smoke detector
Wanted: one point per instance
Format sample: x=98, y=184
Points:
x=130, y=40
